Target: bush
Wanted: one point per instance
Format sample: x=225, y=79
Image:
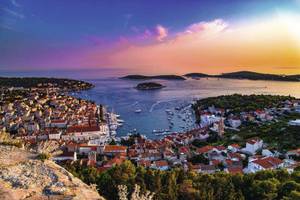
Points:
x=43, y=156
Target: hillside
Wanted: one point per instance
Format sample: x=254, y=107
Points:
x=247, y=75
x=257, y=76
x=29, y=82
x=22, y=176
x=163, y=77
x=196, y=75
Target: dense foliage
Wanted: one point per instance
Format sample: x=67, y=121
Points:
x=237, y=103
x=278, y=135
x=177, y=184
x=29, y=82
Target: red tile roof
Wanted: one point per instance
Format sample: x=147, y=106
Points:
x=235, y=170
x=144, y=163
x=253, y=140
x=235, y=146
x=184, y=150
x=114, y=148
x=220, y=148
x=82, y=128
x=204, y=149
x=161, y=163
x=268, y=162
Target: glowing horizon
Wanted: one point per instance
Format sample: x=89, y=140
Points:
x=261, y=42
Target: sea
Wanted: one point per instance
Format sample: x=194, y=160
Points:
x=168, y=109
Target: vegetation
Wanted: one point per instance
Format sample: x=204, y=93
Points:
x=237, y=103
x=30, y=82
x=142, y=77
x=258, y=76
x=197, y=75
x=177, y=184
x=247, y=75
x=43, y=156
x=278, y=134
x=197, y=159
x=149, y=86
x=5, y=139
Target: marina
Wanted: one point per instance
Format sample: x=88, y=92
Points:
x=169, y=108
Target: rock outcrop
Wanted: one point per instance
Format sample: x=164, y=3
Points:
x=22, y=176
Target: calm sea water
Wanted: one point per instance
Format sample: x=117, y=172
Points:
x=121, y=97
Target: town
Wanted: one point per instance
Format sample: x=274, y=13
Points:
x=77, y=130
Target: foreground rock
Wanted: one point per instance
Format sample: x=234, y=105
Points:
x=22, y=176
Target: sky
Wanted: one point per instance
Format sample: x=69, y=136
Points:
x=150, y=37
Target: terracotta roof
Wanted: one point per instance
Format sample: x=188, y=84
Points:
x=115, y=161
x=296, y=151
x=235, y=170
x=235, y=155
x=145, y=163
x=184, y=150
x=220, y=148
x=161, y=163
x=268, y=162
x=253, y=140
x=207, y=167
x=235, y=146
x=82, y=128
x=215, y=162
x=114, y=148
x=204, y=149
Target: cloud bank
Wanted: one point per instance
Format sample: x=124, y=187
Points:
x=268, y=45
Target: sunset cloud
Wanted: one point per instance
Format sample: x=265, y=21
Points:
x=217, y=46
x=161, y=32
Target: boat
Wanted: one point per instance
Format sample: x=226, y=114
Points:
x=120, y=121
x=138, y=111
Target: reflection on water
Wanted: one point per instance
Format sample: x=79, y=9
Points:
x=157, y=108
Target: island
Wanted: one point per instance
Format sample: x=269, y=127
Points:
x=163, y=77
x=149, y=86
x=247, y=75
x=42, y=82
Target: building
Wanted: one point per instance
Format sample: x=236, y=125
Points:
x=160, y=165
x=112, y=150
x=58, y=123
x=253, y=145
x=294, y=122
x=235, y=122
x=66, y=156
x=82, y=132
x=208, y=119
x=265, y=163
x=202, y=168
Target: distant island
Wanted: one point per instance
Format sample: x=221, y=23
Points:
x=149, y=86
x=247, y=75
x=163, y=77
x=31, y=82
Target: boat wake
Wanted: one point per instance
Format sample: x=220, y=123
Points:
x=159, y=102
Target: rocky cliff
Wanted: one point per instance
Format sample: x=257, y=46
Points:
x=22, y=176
